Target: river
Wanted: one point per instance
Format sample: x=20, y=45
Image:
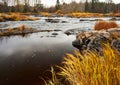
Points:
x=25, y=60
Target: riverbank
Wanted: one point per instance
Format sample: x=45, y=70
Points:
x=15, y=17
x=22, y=30
x=25, y=16
x=88, y=69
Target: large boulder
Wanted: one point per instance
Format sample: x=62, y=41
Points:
x=95, y=40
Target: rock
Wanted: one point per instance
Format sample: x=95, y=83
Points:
x=74, y=31
x=97, y=20
x=96, y=43
x=84, y=20
x=116, y=44
x=48, y=20
x=95, y=40
x=52, y=20
x=68, y=33
x=64, y=22
x=54, y=33
x=55, y=21
x=113, y=19
x=90, y=19
x=3, y=25
x=57, y=30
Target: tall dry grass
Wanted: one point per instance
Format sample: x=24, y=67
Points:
x=18, y=17
x=83, y=14
x=103, y=25
x=90, y=69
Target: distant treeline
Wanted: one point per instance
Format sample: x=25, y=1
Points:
x=92, y=6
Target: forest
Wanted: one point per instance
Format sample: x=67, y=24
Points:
x=92, y=6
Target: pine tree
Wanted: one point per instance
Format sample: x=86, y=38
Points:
x=86, y=6
x=93, y=5
x=5, y=9
x=57, y=5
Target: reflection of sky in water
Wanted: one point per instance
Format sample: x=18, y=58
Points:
x=41, y=41
x=24, y=59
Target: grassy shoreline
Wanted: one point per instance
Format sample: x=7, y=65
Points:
x=89, y=69
x=16, y=16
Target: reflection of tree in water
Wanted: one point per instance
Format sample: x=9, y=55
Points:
x=5, y=39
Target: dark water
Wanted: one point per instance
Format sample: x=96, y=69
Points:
x=24, y=60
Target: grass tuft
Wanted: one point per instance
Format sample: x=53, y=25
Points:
x=103, y=25
x=91, y=69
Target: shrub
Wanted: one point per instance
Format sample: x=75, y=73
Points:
x=22, y=27
x=103, y=25
x=91, y=69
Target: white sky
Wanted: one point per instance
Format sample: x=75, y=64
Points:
x=53, y=2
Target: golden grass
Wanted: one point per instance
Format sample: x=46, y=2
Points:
x=103, y=25
x=46, y=14
x=116, y=14
x=82, y=14
x=16, y=31
x=17, y=17
x=91, y=69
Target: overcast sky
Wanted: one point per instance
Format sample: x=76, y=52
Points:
x=49, y=3
x=53, y=2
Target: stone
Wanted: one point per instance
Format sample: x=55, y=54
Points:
x=116, y=44
x=54, y=33
x=52, y=20
x=95, y=40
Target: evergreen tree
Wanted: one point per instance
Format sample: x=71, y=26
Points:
x=5, y=6
x=93, y=5
x=26, y=7
x=86, y=6
x=57, y=5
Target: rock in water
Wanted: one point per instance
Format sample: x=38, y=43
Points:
x=95, y=40
x=116, y=44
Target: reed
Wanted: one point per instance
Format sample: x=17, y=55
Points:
x=83, y=14
x=91, y=68
x=103, y=25
x=18, y=17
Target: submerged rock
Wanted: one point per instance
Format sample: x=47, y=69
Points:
x=52, y=20
x=95, y=40
x=64, y=22
x=54, y=33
